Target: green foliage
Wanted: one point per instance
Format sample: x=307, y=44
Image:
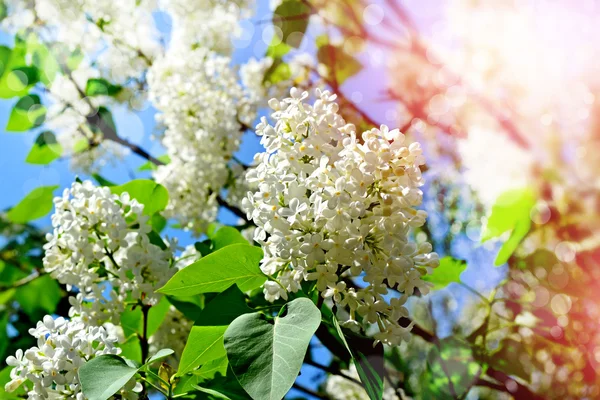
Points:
x=266, y=355
x=103, y=376
x=205, y=342
x=223, y=388
x=4, y=379
x=451, y=370
x=132, y=319
x=447, y=272
x=278, y=71
x=152, y=195
x=35, y=205
x=234, y=264
x=27, y=114
x=101, y=87
x=510, y=358
x=340, y=64
x=511, y=212
x=43, y=59
x=368, y=359
x=150, y=166
x=159, y=355
x=17, y=77
x=291, y=17
x=45, y=149
x=226, y=236
x=39, y=297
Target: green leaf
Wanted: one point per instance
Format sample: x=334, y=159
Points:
x=45, y=149
x=39, y=297
x=19, y=393
x=211, y=368
x=368, y=359
x=511, y=212
x=237, y=263
x=3, y=334
x=451, y=360
x=35, y=205
x=266, y=355
x=447, y=272
x=163, y=353
x=105, y=375
x=5, y=54
x=158, y=223
x=510, y=359
x=11, y=84
x=102, y=181
x=43, y=59
x=27, y=114
x=74, y=59
x=131, y=348
x=101, y=87
x=152, y=195
x=223, y=388
x=107, y=121
x=150, y=166
x=132, y=319
x=205, y=342
x=292, y=16
x=336, y=59
x=225, y=236
x=279, y=71
x=190, y=306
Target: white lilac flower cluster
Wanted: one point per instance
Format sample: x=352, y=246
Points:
x=220, y=22
x=202, y=105
x=332, y=205
x=49, y=370
x=66, y=117
x=122, y=34
x=100, y=245
x=341, y=388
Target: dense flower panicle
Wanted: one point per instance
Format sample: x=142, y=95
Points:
x=100, y=243
x=341, y=388
x=202, y=107
x=49, y=370
x=220, y=22
x=122, y=34
x=331, y=205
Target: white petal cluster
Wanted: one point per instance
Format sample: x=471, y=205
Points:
x=341, y=388
x=87, y=150
x=202, y=106
x=332, y=205
x=122, y=34
x=49, y=370
x=220, y=22
x=100, y=245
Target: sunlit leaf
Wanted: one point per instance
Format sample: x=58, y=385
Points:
x=266, y=355
x=36, y=204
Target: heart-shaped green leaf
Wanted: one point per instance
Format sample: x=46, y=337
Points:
x=266, y=355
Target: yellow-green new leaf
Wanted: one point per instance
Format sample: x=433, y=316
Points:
x=447, y=272
x=35, y=205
